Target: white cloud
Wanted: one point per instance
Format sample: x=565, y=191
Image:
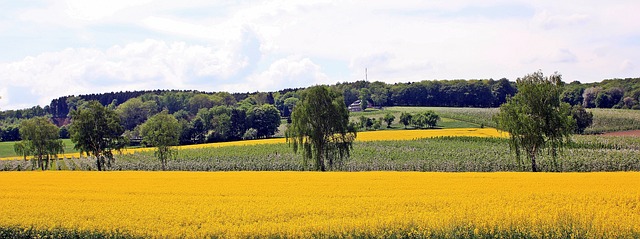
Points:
x=211, y=45
x=289, y=72
x=151, y=64
x=627, y=66
x=547, y=20
x=564, y=56
x=99, y=9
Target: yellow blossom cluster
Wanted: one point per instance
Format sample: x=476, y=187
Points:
x=314, y=204
x=362, y=136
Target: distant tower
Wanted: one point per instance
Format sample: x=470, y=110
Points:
x=366, y=78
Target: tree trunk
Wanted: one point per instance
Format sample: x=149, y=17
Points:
x=98, y=163
x=534, y=166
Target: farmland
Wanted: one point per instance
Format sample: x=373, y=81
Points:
x=260, y=189
x=311, y=204
x=451, y=154
x=604, y=120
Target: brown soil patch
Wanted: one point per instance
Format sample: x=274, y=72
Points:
x=624, y=133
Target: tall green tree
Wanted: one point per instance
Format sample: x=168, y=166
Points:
x=389, y=118
x=97, y=131
x=365, y=96
x=536, y=118
x=40, y=138
x=265, y=119
x=582, y=117
x=405, y=119
x=161, y=131
x=320, y=127
x=134, y=112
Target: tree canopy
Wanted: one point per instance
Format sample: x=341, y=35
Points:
x=96, y=130
x=320, y=127
x=536, y=118
x=161, y=131
x=40, y=138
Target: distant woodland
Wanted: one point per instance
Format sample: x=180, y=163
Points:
x=223, y=116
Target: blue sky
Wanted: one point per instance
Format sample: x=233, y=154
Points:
x=56, y=48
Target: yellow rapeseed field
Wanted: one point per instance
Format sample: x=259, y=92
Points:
x=314, y=204
x=362, y=136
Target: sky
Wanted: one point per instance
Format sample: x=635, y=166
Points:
x=54, y=48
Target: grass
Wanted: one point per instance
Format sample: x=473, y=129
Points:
x=6, y=148
x=589, y=153
x=604, y=120
x=445, y=122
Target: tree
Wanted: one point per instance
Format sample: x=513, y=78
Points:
x=265, y=119
x=427, y=119
x=363, y=122
x=134, y=112
x=97, y=131
x=40, y=138
x=572, y=94
x=501, y=90
x=238, y=124
x=389, y=118
x=536, y=118
x=161, y=131
x=589, y=96
x=405, y=119
x=377, y=123
x=582, y=118
x=320, y=127
x=365, y=95
x=431, y=118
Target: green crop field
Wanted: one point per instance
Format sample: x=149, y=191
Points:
x=6, y=148
x=587, y=153
x=456, y=154
x=604, y=120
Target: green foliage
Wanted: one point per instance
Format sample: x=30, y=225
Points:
x=582, y=118
x=536, y=118
x=265, y=119
x=389, y=118
x=320, y=126
x=251, y=133
x=365, y=95
x=134, y=112
x=406, y=118
x=96, y=130
x=162, y=131
x=427, y=119
x=40, y=138
x=16, y=232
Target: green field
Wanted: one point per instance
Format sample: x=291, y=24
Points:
x=587, y=153
x=6, y=148
x=604, y=120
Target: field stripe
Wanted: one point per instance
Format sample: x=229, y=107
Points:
x=382, y=135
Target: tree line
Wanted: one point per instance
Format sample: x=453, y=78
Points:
x=536, y=119
x=135, y=107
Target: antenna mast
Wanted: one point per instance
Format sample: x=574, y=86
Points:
x=366, y=78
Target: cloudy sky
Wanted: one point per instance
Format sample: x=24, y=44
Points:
x=53, y=48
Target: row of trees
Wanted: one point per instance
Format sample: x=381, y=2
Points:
x=98, y=131
x=618, y=93
x=535, y=117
